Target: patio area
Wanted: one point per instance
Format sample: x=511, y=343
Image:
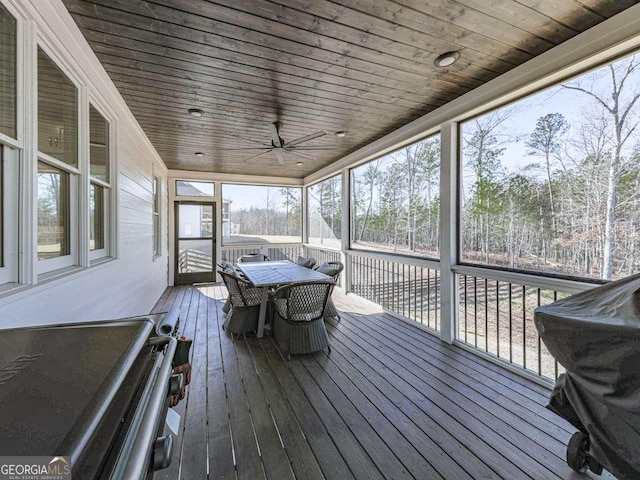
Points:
x=390, y=401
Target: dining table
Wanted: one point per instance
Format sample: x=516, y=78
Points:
x=266, y=275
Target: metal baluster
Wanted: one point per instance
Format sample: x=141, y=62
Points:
x=465, y=309
x=429, y=296
x=539, y=342
x=524, y=326
x=498, y=318
x=475, y=310
x=510, y=322
x=555, y=362
x=486, y=315
x=437, y=304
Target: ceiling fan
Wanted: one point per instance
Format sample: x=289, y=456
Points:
x=280, y=147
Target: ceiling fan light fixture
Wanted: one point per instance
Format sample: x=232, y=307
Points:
x=341, y=134
x=447, y=59
x=199, y=154
x=195, y=112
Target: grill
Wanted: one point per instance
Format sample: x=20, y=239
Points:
x=96, y=393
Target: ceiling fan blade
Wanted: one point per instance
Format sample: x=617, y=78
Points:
x=301, y=155
x=280, y=154
x=311, y=147
x=265, y=147
x=305, y=139
x=258, y=155
x=275, y=134
x=245, y=140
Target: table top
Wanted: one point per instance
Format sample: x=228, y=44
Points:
x=269, y=274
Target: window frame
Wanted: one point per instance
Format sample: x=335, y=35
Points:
x=19, y=92
x=497, y=105
x=156, y=209
x=299, y=241
x=197, y=197
x=9, y=210
x=350, y=174
x=308, y=212
x=108, y=221
x=51, y=265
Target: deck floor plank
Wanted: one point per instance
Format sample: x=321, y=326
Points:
x=447, y=391
x=194, y=461
x=245, y=446
x=181, y=297
x=312, y=453
x=520, y=405
x=389, y=401
x=473, y=390
x=274, y=456
x=221, y=465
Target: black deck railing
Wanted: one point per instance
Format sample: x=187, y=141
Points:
x=496, y=317
x=400, y=286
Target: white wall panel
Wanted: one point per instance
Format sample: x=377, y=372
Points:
x=131, y=283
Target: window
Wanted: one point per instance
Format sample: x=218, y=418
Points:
x=57, y=167
x=395, y=201
x=53, y=212
x=8, y=156
x=8, y=73
x=157, y=228
x=99, y=187
x=57, y=113
x=324, y=212
x=552, y=183
x=261, y=214
x=194, y=189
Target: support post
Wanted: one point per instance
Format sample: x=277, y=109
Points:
x=345, y=230
x=448, y=230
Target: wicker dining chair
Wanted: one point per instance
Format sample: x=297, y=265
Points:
x=245, y=304
x=332, y=269
x=298, y=313
x=307, y=262
x=253, y=257
x=229, y=268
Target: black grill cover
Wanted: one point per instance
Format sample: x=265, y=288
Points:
x=595, y=336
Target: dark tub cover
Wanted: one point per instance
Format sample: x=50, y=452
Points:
x=595, y=336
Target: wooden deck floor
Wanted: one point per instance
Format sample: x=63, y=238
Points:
x=390, y=401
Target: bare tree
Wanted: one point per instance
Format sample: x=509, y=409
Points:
x=619, y=105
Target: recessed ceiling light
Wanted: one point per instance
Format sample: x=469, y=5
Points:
x=199, y=154
x=298, y=163
x=446, y=59
x=341, y=133
x=196, y=112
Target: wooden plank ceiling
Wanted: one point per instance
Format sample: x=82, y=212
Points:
x=362, y=66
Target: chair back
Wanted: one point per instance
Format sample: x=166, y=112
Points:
x=226, y=266
x=307, y=262
x=332, y=269
x=241, y=292
x=253, y=257
x=303, y=302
